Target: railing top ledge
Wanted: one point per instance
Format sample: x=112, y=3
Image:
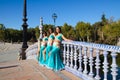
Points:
x=94, y=45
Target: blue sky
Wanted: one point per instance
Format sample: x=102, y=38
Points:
x=68, y=11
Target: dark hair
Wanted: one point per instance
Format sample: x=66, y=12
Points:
x=51, y=29
x=55, y=32
x=44, y=33
x=59, y=28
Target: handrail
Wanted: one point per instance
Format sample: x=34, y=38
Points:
x=94, y=45
x=78, y=59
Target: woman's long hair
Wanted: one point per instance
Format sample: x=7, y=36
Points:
x=44, y=33
x=59, y=29
x=51, y=30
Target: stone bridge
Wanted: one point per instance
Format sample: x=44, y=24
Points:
x=83, y=61
x=88, y=60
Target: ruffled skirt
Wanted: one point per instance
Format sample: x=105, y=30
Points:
x=54, y=61
x=42, y=57
x=48, y=49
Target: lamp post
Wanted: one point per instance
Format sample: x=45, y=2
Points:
x=24, y=45
x=54, y=16
x=40, y=28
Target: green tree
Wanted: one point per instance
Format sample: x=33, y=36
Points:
x=112, y=33
x=31, y=35
x=83, y=30
x=68, y=31
x=65, y=28
x=104, y=21
x=46, y=27
x=96, y=28
x=2, y=27
x=2, y=35
x=12, y=35
x=2, y=32
x=37, y=32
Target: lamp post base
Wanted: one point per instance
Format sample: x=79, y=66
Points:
x=22, y=54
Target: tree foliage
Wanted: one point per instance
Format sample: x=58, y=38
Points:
x=68, y=31
x=84, y=30
x=112, y=33
x=105, y=31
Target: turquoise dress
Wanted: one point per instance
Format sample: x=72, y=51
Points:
x=49, y=47
x=42, y=56
x=55, y=62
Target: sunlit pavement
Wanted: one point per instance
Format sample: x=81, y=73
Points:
x=30, y=70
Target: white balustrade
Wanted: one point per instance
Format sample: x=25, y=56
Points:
x=75, y=57
x=71, y=56
x=97, y=77
x=68, y=55
x=91, y=62
x=80, y=59
x=64, y=53
x=105, y=64
x=114, y=66
x=85, y=61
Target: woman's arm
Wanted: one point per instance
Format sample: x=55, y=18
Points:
x=38, y=47
x=65, y=38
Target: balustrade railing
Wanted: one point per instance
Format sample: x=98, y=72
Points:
x=91, y=61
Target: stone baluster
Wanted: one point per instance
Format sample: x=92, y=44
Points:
x=105, y=65
x=97, y=77
x=75, y=57
x=67, y=55
x=91, y=62
x=114, y=66
x=80, y=59
x=71, y=56
x=64, y=54
x=85, y=61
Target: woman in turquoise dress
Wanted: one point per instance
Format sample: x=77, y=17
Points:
x=49, y=43
x=42, y=53
x=55, y=62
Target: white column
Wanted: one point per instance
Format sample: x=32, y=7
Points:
x=64, y=53
x=71, y=56
x=75, y=57
x=105, y=65
x=91, y=62
x=80, y=59
x=114, y=66
x=97, y=77
x=67, y=55
x=85, y=61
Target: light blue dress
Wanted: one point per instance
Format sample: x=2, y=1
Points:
x=55, y=62
x=42, y=56
x=49, y=47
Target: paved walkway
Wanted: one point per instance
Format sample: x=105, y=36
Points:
x=30, y=70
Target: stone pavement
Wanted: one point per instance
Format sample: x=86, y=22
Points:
x=30, y=70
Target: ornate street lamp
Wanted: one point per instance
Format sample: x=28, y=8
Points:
x=24, y=45
x=54, y=16
x=40, y=37
x=40, y=28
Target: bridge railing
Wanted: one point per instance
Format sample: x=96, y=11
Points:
x=91, y=61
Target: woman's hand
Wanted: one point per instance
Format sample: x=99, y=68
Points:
x=66, y=38
x=38, y=52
